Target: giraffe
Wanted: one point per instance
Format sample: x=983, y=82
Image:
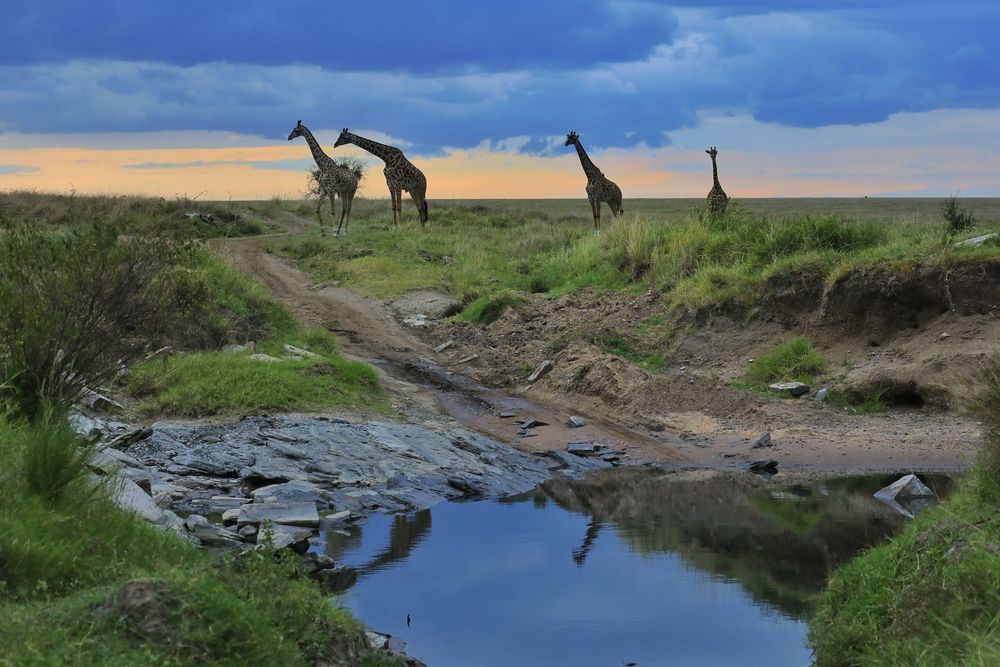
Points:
x=599, y=187
x=400, y=174
x=717, y=197
x=334, y=179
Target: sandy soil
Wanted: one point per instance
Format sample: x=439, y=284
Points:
x=688, y=413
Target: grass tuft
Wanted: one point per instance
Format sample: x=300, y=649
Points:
x=795, y=359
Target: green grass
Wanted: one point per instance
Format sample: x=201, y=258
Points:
x=928, y=597
x=475, y=250
x=931, y=596
x=62, y=556
x=487, y=309
x=620, y=347
x=130, y=213
x=793, y=360
x=213, y=383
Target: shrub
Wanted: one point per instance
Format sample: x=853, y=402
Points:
x=957, y=218
x=75, y=307
x=489, y=308
x=794, y=359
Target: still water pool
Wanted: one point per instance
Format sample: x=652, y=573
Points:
x=627, y=566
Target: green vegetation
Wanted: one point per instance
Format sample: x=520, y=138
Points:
x=209, y=383
x=929, y=596
x=65, y=550
x=489, y=308
x=795, y=359
x=474, y=251
x=130, y=214
x=957, y=217
x=80, y=303
x=620, y=347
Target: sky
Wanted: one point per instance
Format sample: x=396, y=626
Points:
x=809, y=98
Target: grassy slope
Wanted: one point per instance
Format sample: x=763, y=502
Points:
x=474, y=250
x=931, y=596
x=62, y=555
x=212, y=305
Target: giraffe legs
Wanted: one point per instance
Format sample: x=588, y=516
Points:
x=397, y=206
x=595, y=206
x=421, y=203
x=345, y=211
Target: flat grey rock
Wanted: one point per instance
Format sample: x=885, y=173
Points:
x=293, y=514
x=282, y=536
x=976, y=240
x=129, y=496
x=762, y=440
x=540, y=372
x=576, y=422
x=789, y=388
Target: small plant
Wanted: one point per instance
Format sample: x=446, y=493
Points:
x=487, y=309
x=958, y=218
x=54, y=459
x=795, y=359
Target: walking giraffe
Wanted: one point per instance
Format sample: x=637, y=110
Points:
x=599, y=187
x=400, y=174
x=717, y=197
x=334, y=179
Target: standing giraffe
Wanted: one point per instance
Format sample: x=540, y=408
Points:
x=717, y=198
x=400, y=174
x=599, y=187
x=333, y=179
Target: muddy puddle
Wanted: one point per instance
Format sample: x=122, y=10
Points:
x=627, y=566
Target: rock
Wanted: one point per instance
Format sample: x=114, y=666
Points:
x=419, y=320
x=377, y=640
x=444, y=346
x=298, y=351
x=533, y=423
x=259, y=356
x=944, y=336
x=314, y=561
x=465, y=360
x=231, y=515
x=576, y=422
x=99, y=402
x=209, y=534
x=293, y=514
x=907, y=495
x=282, y=536
x=126, y=440
x=822, y=394
x=542, y=369
x=762, y=440
x=248, y=532
x=789, y=388
x=249, y=347
x=296, y=491
x=976, y=240
x=506, y=415
x=583, y=448
x=129, y=496
x=764, y=467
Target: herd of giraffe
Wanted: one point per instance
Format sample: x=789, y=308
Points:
x=401, y=174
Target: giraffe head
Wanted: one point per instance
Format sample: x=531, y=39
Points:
x=344, y=138
x=713, y=151
x=571, y=139
x=297, y=131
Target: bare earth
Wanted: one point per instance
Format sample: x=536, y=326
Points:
x=686, y=414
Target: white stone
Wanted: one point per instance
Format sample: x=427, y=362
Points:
x=129, y=496
x=295, y=514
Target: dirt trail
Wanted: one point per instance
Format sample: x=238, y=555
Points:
x=683, y=417
x=422, y=390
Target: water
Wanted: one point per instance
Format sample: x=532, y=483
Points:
x=629, y=566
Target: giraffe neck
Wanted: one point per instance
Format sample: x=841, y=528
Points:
x=715, y=173
x=589, y=168
x=323, y=160
x=382, y=151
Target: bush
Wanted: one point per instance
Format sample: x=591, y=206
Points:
x=76, y=307
x=958, y=218
x=54, y=465
x=794, y=359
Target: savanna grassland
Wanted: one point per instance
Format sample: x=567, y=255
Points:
x=660, y=313
x=89, y=287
